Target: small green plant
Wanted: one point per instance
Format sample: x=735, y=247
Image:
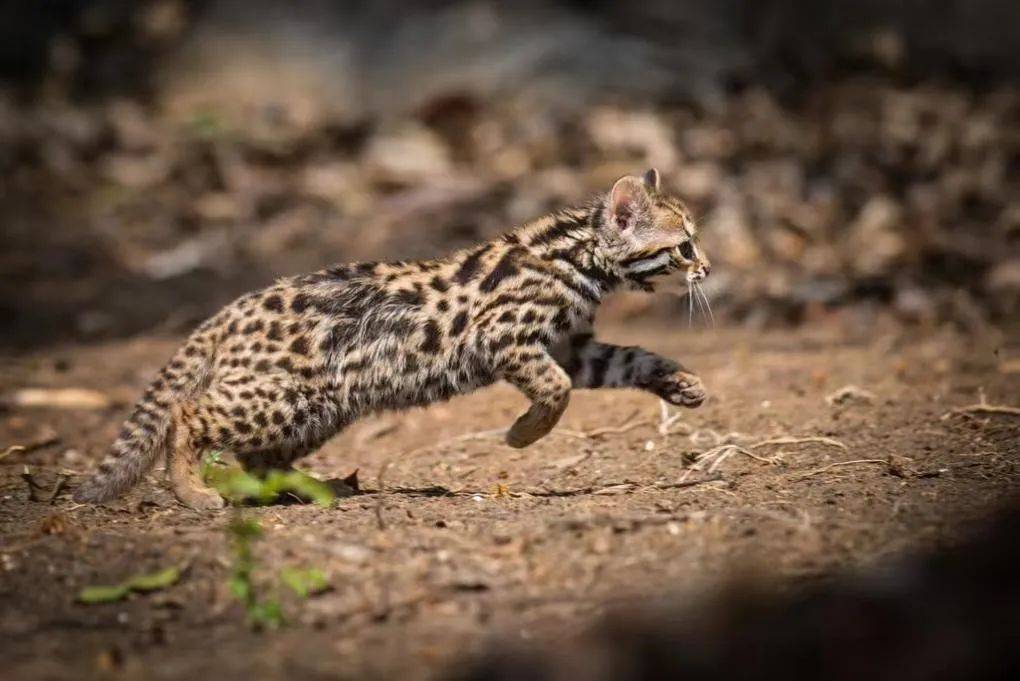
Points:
x=267, y=614
x=262, y=612
x=239, y=486
x=208, y=125
x=304, y=582
x=139, y=583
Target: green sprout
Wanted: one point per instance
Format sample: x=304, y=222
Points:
x=262, y=614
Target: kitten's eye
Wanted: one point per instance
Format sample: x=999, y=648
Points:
x=687, y=250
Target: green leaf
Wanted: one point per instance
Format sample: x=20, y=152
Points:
x=267, y=614
x=210, y=462
x=304, y=583
x=304, y=486
x=239, y=486
x=103, y=594
x=157, y=580
x=245, y=529
x=240, y=587
x=151, y=582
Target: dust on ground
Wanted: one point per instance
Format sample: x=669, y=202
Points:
x=470, y=539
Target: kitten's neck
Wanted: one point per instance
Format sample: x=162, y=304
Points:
x=568, y=239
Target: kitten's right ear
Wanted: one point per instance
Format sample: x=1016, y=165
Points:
x=652, y=179
x=626, y=201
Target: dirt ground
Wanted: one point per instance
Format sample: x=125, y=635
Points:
x=470, y=539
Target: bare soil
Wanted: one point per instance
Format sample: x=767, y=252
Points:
x=469, y=539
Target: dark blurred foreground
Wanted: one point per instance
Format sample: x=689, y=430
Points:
x=953, y=614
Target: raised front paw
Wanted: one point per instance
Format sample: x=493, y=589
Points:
x=681, y=388
x=526, y=430
x=533, y=425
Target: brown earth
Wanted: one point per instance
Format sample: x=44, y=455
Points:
x=472, y=539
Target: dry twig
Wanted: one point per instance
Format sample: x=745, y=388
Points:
x=60, y=398
x=687, y=483
x=13, y=449
x=44, y=440
x=983, y=408
x=379, y=502
x=58, y=487
x=33, y=486
x=777, y=441
x=711, y=459
x=842, y=463
x=666, y=420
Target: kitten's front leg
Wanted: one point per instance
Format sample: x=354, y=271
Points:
x=593, y=364
x=546, y=384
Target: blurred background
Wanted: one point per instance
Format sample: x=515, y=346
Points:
x=158, y=157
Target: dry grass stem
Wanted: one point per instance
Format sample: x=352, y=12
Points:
x=843, y=463
x=13, y=449
x=779, y=441
x=628, y=425
x=983, y=408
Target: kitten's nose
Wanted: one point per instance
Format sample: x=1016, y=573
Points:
x=707, y=269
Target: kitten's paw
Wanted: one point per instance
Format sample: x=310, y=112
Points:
x=523, y=432
x=199, y=499
x=530, y=427
x=681, y=388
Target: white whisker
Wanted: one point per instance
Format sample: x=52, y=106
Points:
x=698, y=302
x=708, y=305
x=690, y=306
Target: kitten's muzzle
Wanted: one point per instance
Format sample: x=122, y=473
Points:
x=698, y=273
x=696, y=269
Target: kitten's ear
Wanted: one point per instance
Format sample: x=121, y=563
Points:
x=626, y=201
x=652, y=179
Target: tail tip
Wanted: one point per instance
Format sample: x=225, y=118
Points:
x=92, y=491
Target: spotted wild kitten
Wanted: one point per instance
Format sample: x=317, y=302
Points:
x=277, y=372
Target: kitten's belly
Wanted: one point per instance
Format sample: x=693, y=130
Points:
x=439, y=388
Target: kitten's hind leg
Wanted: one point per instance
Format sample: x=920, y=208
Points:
x=261, y=462
x=242, y=415
x=547, y=385
x=184, y=468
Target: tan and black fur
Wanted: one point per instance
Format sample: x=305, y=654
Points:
x=279, y=371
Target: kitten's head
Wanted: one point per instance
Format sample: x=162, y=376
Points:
x=647, y=232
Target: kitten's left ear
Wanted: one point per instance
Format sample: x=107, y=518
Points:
x=627, y=202
x=651, y=179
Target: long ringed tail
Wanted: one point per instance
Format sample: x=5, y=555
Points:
x=147, y=433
